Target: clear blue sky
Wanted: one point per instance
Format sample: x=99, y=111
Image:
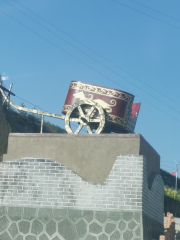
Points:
x=46, y=44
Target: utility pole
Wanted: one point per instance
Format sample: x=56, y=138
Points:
x=176, y=174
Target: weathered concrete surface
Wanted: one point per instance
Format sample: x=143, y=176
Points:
x=4, y=131
x=90, y=156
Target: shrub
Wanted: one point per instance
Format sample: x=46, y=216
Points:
x=170, y=192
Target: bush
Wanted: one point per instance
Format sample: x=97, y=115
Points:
x=170, y=192
x=28, y=123
x=169, y=179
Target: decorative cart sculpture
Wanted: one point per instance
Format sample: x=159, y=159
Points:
x=100, y=109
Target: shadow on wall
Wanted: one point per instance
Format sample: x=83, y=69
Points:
x=4, y=131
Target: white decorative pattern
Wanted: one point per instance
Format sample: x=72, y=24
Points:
x=102, y=91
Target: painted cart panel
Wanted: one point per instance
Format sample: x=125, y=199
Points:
x=118, y=104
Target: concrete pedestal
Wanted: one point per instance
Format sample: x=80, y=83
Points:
x=70, y=192
x=90, y=156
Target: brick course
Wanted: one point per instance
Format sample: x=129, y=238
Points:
x=40, y=184
x=44, y=182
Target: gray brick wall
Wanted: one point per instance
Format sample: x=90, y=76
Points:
x=44, y=182
x=153, y=200
x=43, y=185
x=34, y=181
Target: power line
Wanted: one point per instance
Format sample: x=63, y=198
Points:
x=55, y=45
x=41, y=109
x=170, y=167
x=93, y=51
x=84, y=63
x=88, y=55
x=31, y=103
x=166, y=161
x=146, y=14
x=95, y=59
x=155, y=10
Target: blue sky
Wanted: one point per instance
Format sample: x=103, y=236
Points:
x=119, y=44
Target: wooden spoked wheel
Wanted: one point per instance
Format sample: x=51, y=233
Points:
x=86, y=113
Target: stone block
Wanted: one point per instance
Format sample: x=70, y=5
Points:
x=5, y=236
x=81, y=228
x=66, y=230
x=95, y=228
x=110, y=227
x=13, y=230
x=51, y=227
x=45, y=214
x=4, y=223
x=24, y=227
x=15, y=213
x=43, y=237
x=29, y=213
x=37, y=227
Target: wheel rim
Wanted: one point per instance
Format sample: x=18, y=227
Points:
x=92, y=117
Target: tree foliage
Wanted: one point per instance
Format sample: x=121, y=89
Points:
x=28, y=123
x=169, y=179
x=170, y=192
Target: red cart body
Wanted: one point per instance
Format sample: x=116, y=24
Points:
x=118, y=104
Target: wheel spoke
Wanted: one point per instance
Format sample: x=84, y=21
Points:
x=92, y=117
x=94, y=120
x=81, y=111
x=75, y=120
x=78, y=129
x=90, y=111
x=89, y=129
